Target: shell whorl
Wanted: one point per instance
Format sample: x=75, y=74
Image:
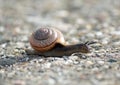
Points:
x=44, y=39
x=44, y=36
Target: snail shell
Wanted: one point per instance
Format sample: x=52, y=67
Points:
x=45, y=38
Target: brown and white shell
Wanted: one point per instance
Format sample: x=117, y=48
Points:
x=45, y=38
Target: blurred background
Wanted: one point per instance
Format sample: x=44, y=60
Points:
x=83, y=15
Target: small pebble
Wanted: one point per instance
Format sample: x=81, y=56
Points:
x=68, y=62
x=112, y=60
x=47, y=65
x=73, y=58
x=100, y=62
x=89, y=63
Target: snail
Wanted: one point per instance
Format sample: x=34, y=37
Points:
x=48, y=41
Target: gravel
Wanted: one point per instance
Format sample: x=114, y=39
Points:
x=80, y=21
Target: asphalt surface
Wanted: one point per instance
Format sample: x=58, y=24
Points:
x=79, y=21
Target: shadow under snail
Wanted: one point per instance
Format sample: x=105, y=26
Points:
x=47, y=41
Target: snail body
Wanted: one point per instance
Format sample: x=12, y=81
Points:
x=50, y=42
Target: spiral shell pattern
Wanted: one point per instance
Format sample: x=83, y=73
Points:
x=44, y=39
